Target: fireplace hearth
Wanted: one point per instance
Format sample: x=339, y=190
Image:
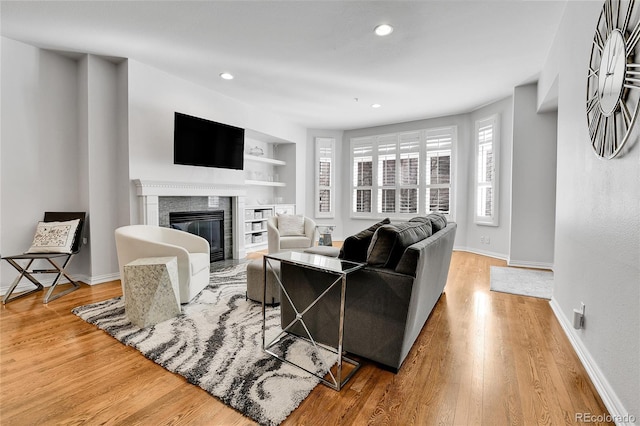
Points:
x=206, y=224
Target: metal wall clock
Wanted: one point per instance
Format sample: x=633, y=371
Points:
x=613, y=81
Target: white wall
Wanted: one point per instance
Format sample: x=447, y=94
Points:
x=496, y=237
x=533, y=182
x=597, y=238
x=39, y=145
x=155, y=95
x=74, y=134
x=101, y=164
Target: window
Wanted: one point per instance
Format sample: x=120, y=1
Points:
x=403, y=174
x=325, y=177
x=438, y=164
x=486, y=173
x=362, y=177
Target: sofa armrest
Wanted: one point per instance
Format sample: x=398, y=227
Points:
x=432, y=269
x=273, y=235
x=310, y=229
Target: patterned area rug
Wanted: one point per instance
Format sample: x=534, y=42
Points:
x=523, y=282
x=216, y=343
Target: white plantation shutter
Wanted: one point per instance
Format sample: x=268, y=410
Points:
x=325, y=180
x=439, y=144
x=387, y=152
x=409, y=172
x=362, y=175
x=487, y=145
x=403, y=174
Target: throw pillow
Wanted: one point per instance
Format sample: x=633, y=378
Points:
x=54, y=237
x=289, y=224
x=438, y=221
x=355, y=247
x=390, y=241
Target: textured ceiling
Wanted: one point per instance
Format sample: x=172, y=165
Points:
x=308, y=61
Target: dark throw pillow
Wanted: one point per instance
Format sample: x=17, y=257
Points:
x=438, y=221
x=390, y=241
x=355, y=246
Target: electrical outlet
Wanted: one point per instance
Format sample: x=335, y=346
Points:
x=487, y=240
x=481, y=240
x=84, y=241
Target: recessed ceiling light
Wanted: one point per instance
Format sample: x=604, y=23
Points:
x=383, y=30
x=376, y=106
x=226, y=76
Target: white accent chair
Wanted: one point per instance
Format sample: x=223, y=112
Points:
x=278, y=242
x=192, y=252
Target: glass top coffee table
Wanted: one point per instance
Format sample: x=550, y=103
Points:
x=329, y=265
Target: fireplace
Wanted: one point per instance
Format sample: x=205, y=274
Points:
x=153, y=195
x=207, y=224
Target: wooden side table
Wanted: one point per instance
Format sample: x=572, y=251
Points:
x=151, y=290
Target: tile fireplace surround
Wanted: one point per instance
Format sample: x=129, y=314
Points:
x=149, y=192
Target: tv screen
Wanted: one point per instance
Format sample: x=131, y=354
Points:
x=200, y=142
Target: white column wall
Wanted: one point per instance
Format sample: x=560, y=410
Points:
x=101, y=159
x=533, y=182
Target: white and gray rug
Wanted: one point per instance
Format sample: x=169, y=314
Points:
x=524, y=282
x=216, y=343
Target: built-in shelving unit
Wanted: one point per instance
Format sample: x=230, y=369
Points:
x=261, y=178
x=258, y=159
x=270, y=175
x=255, y=223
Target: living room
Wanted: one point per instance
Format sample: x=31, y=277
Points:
x=80, y=127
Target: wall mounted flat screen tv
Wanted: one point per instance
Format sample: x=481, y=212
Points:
x=200, y=142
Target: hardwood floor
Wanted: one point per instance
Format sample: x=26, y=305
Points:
x=483, y=358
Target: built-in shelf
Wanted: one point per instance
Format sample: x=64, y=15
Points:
x=264, y=183
x=255, y=223
x=266, y=160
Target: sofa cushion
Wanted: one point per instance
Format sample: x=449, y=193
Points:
x=390, y=241
x=355, y=247
x=290, y=224
x=295, y=242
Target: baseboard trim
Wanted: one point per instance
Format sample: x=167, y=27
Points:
x=527, y=264
x=98, y=279
x=46, y=281
x=617, y=411
x=481, y=252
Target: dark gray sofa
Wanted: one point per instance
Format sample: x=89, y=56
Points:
x=389, y=300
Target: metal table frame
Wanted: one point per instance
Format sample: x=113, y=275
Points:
x=336, y=381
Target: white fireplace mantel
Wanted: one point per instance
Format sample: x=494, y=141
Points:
x=187, y=189
x=148, y=192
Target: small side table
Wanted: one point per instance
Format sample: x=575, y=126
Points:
x=151, y=290
x=338, y=270
x=325, y=232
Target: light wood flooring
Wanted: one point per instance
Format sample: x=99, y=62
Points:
x=483, y=358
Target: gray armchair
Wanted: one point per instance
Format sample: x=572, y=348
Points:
x=279, y=242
